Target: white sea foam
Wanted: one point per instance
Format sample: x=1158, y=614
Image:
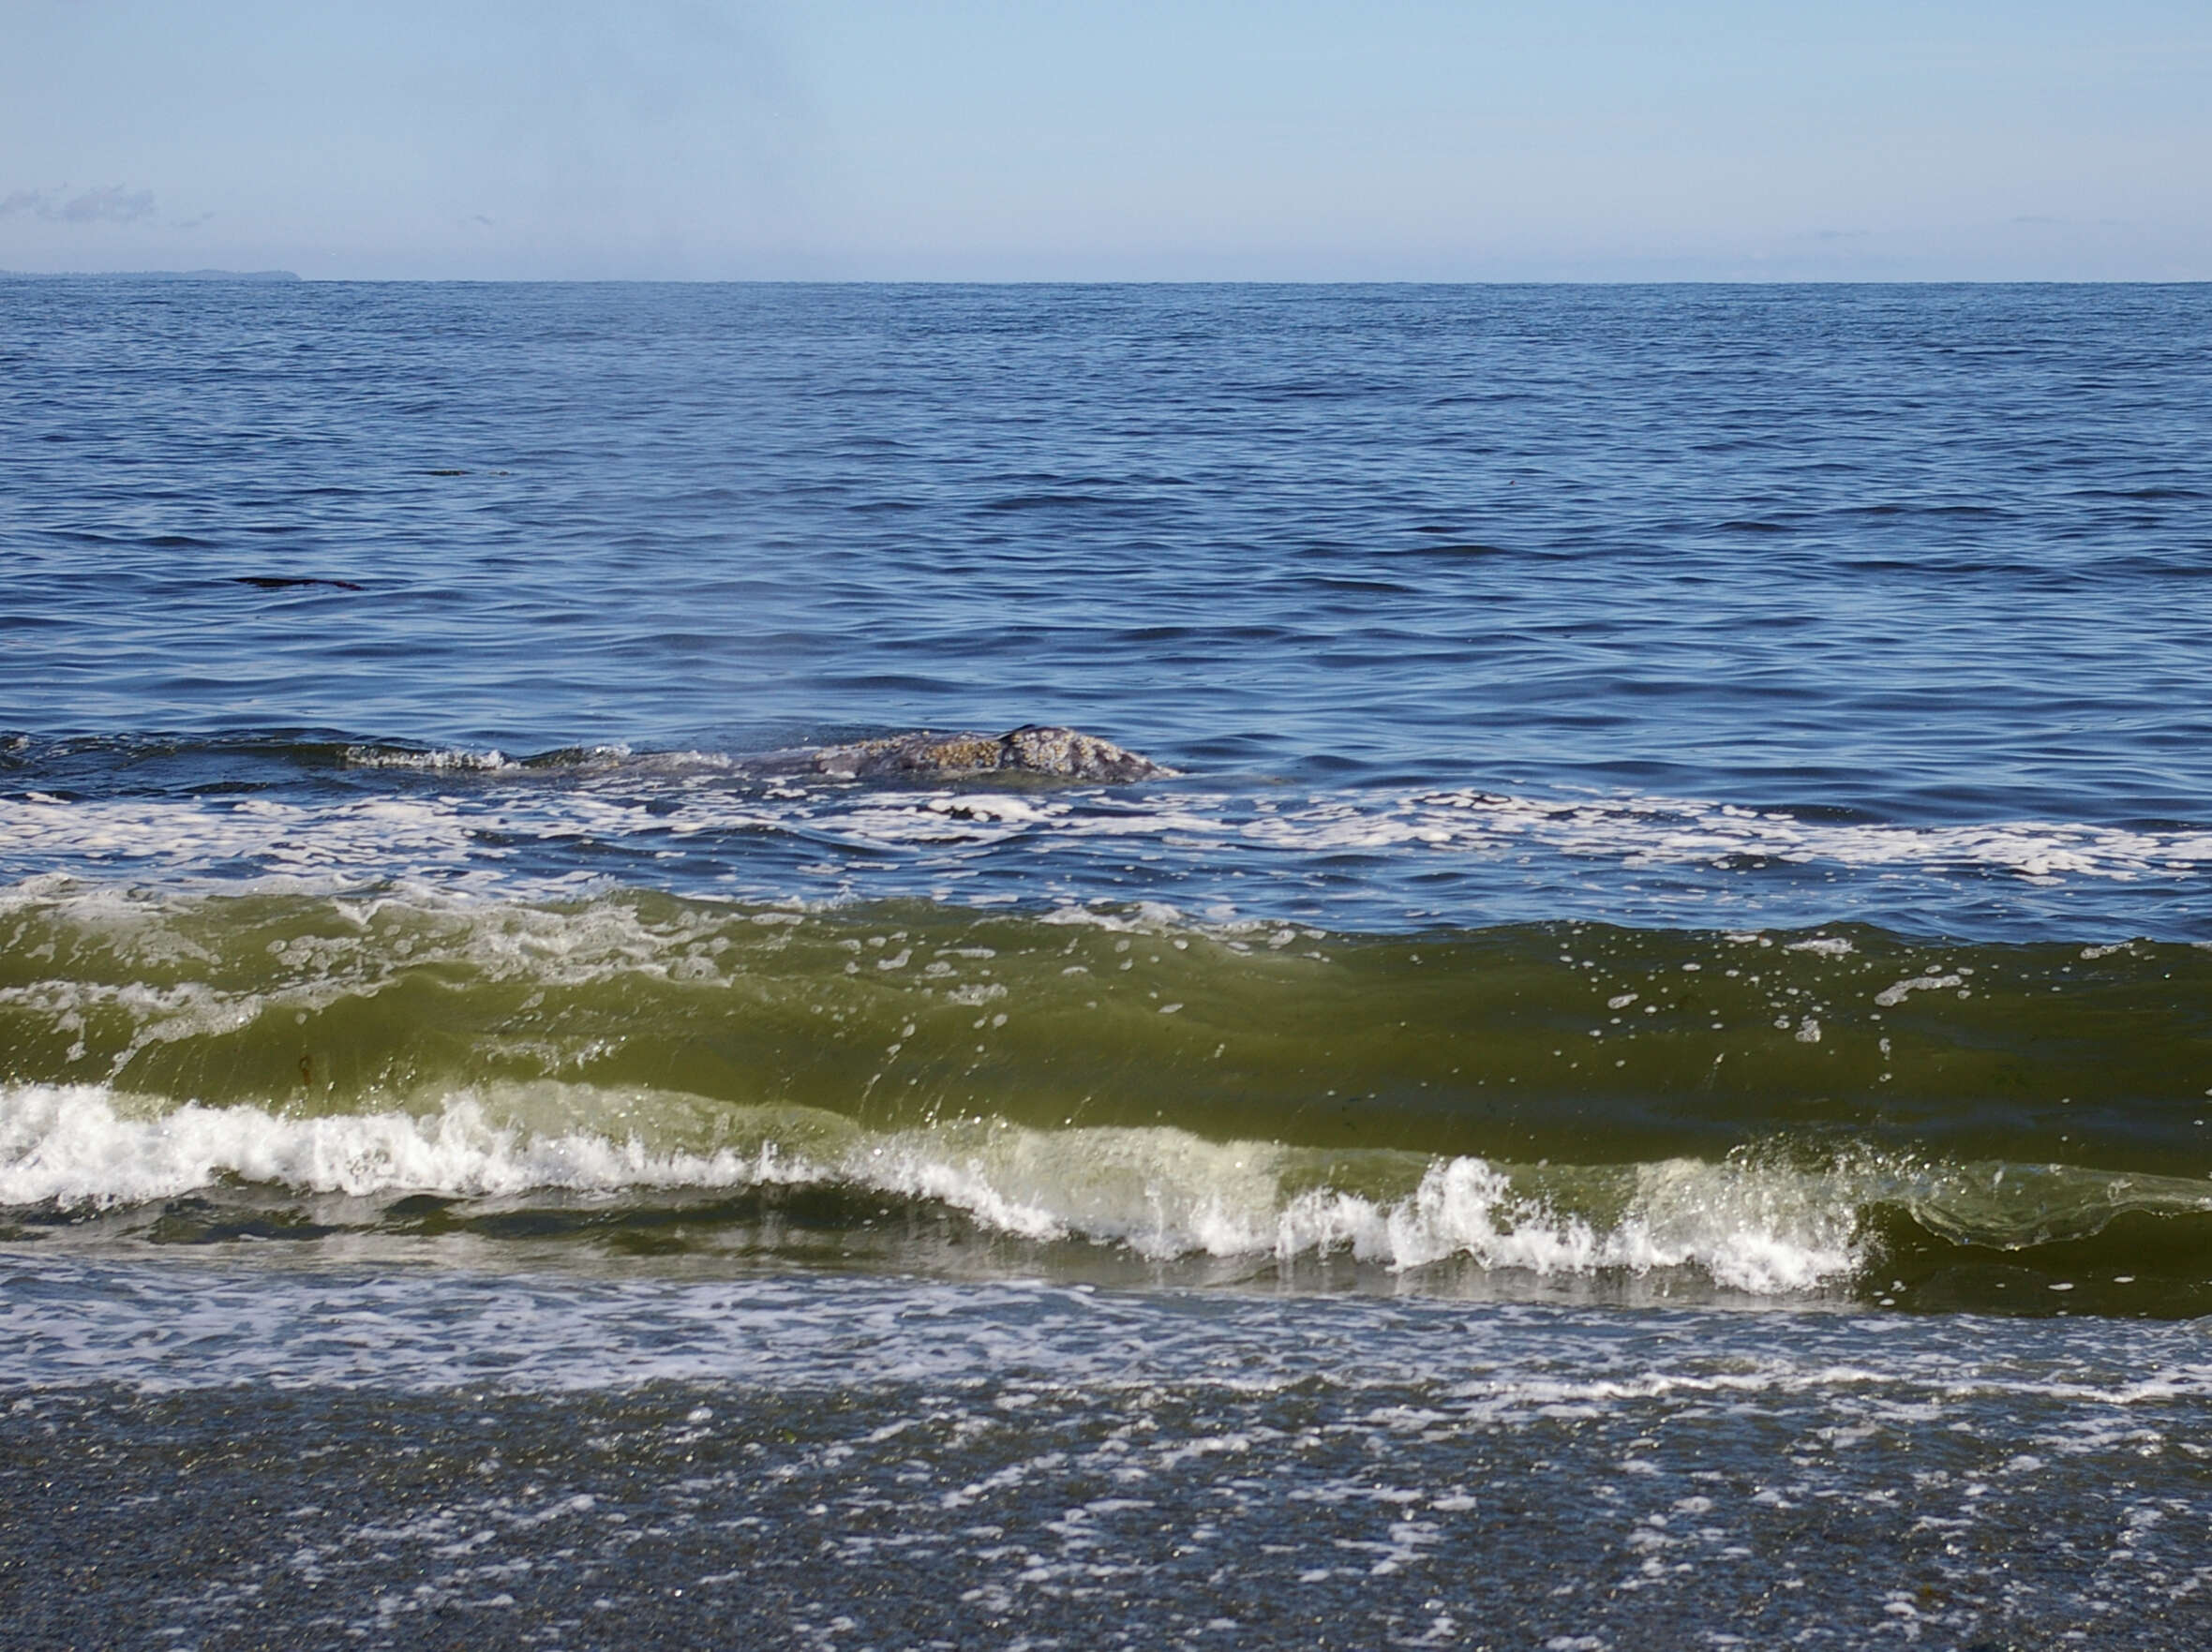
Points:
x=489, y=760
x=1894, y=994
x=82, y=1145
x=1757, y=1230
x=69, y=1319
x=470, y=833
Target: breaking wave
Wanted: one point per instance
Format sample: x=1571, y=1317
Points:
x=1752, y=1224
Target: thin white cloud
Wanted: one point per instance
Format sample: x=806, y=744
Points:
x=113, y=204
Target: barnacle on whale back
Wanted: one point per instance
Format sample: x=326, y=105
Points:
x=1065, y=752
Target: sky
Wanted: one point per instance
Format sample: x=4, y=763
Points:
x=1066, y=139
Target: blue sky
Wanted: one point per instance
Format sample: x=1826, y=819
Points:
x=974, y=140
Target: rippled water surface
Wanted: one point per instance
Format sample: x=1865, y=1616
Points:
x=1912, y=553
x=1655, y=1047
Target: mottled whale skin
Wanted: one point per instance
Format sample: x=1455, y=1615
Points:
x=1064, y=753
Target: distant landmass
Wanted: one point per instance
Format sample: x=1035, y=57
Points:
x=148, y=275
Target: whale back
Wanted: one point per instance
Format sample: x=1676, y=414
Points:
x=1039, y=748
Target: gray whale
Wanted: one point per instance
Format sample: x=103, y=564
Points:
x=1066, y=753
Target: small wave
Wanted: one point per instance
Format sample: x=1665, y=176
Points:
x=1751, y=1225
x=1570, y=1042
x=1161, y=1193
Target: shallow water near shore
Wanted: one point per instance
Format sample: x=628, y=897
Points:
x=833, y=1459
x=1644, y=1079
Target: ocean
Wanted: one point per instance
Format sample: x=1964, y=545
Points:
x=1639, y=1079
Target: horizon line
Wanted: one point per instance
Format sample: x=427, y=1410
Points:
x=289, y=277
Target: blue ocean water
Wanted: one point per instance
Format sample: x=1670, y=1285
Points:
x=1676, y=942
x=1873, y=558
x=1932, y=553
